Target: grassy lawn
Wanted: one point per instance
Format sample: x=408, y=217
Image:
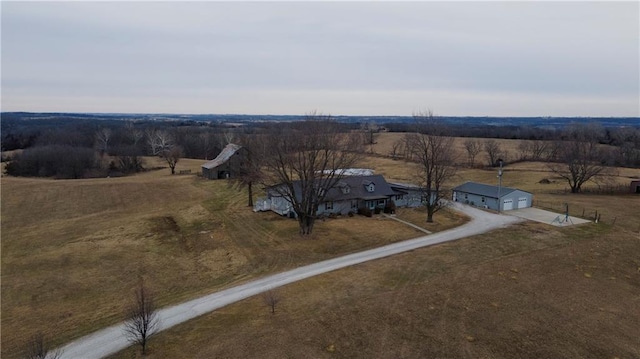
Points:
x=529, y=291
x=72, y=251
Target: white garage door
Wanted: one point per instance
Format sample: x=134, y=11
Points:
x=507, y=205
x=522, y=202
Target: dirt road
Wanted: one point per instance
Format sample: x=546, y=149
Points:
x=111, y=340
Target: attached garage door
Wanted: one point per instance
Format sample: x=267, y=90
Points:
x=507, y=205
x=522, y=202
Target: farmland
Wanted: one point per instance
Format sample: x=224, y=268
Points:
x=73, y=250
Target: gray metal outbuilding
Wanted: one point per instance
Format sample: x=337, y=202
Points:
x=487, y=196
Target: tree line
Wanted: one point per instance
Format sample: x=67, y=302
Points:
x=85, y=149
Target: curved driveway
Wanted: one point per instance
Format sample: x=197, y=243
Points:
x=112, y=339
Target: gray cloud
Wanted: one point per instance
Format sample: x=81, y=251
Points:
x=471, y=58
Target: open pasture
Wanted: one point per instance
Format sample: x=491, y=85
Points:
x=73, y=250
x=528, y=291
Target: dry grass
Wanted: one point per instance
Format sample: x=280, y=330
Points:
x=73, y=250
x=385, y=140
x=531, y=291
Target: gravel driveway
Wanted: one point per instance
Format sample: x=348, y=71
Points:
x=112, y=339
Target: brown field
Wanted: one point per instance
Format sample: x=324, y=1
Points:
x=385, y=140
x=73, y=250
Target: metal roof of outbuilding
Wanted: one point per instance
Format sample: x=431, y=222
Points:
x=223, y=157
x=486, y=190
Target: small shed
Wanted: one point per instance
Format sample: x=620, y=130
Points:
x=635, y=186
x=492, y=197
x=226, y=164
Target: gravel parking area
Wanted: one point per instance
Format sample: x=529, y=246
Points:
x=548, y=217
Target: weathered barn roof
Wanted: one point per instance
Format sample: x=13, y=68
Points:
x=226, y=153
x=482, y=189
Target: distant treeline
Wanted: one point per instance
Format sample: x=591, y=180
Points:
x=88, y=145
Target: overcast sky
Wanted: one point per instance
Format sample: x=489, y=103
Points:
x=340, y=58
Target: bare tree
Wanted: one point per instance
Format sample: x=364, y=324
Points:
x=305, y=160
x=172, y=156
x=38, y=349
x=103, y=136
x=579, y=160
x=493, y=150
x=431, y=149
x=534, y=150
x=370, y=129
x=134, y=134
x=158, y=141
x=228, y=137
x=141, y=318
x=249, y=171
x=208, y=143
x=406, y=145
x=473, y=147
x=397, y=149
x=271, y=299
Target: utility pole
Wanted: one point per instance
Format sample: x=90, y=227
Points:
x=499, y=186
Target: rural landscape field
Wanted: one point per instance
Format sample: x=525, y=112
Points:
x=320, y=179
x=73, y=251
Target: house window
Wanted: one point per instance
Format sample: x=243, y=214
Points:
x=399, y=197
x=466, y=196
x=482, y=199
x=328, y=205
x=354, y=204
x=346, y=189
x=381, y=202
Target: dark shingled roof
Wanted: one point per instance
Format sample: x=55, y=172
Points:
x=357, y=190
x=484, y=189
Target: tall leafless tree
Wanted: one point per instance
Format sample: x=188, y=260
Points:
x=249, y=171
x=304, y=160
x=141, y=318
x=134, y=134
x=580, y=159
x=103, y=136
x=207, y=142
x=370, y=130
x=493, y=150
x=159, y=141
x=397, y=149
x=473, y=147
x=432, y=150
